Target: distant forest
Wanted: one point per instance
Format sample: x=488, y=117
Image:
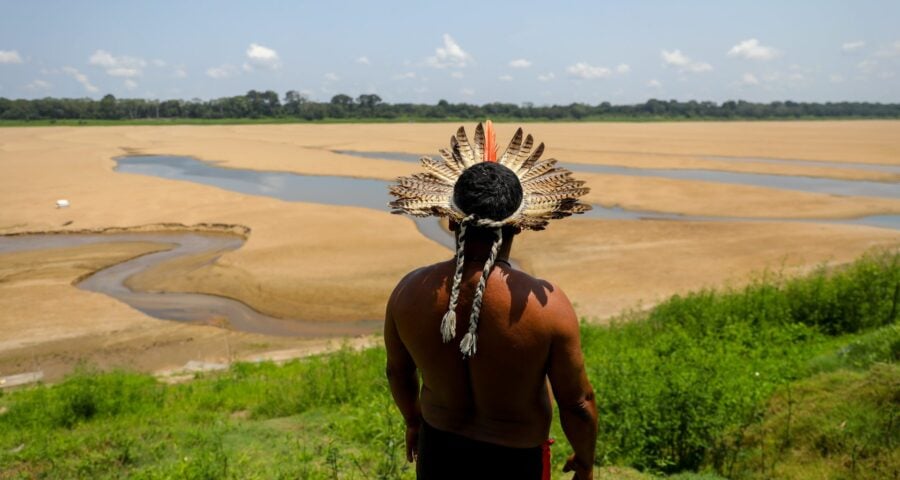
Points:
x=294, y=106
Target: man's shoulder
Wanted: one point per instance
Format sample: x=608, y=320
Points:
x=539, y=286
x=423, y=271
x=414, y=278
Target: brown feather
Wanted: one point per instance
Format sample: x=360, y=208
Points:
x=451, y=160
x=538, y=169
x=440, y=170
x=478, y=141
x=465, y=150
x=531, y=160
x=554, y=178
x=512, y=151
x=516, y=162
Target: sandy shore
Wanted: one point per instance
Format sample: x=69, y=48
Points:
x=340, y=263
x=48, y=325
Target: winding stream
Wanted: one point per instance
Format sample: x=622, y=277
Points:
x=367, y=193
x=787, y=182
x=196, y=308
x=800, y=183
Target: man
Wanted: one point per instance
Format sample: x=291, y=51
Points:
x=487, y=413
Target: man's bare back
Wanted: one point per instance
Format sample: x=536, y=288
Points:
x=527, y=334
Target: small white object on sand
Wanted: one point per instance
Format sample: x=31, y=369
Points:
x=62, y=203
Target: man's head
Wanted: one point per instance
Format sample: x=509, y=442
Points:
x=488, y=190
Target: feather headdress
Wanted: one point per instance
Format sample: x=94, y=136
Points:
x=548, y=192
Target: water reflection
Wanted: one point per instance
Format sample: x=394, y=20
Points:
x=373, y=194
x=831, y=186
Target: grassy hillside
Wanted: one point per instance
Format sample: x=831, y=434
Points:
x=782, y=379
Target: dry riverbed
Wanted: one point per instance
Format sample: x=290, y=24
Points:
x=338, y=264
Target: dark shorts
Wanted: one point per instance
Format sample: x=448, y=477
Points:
x=448, y=455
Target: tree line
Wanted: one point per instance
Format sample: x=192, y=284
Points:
x=267, y=104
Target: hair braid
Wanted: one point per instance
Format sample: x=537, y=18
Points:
x=448, y=324
x=468, y=344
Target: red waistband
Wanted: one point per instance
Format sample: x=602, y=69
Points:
x=545, y=448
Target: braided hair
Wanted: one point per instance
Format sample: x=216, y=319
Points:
x=488, y=193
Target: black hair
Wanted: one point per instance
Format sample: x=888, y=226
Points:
x=488, y=190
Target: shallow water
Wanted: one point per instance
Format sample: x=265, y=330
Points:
x=812, y=184
x=871, y=167
x=374, y=193
x=196, y=308
x=347, y=191
x=618, y=213
x=809, y=184
x=292, y=187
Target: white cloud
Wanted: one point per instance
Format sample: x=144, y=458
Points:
x=547, y=77
x=405, y=76
x=123, y=72
x=38, y=85
x=180, y=72
x=585, y=71
x=10, y=56
x=118, y=66
x=261, y=56
x=654, y=83
x=222, y=71
x=449, y=55
x=80, y=78
x=363, y=60
x=848, y=47
x=836, y=78
x=130, y=84
x=683, y=62
x=868, y=65
x=752, y=50
x=158, y=63
x=457, y=75
x=467, y=92
x=332, y=77
x=505, y=78
x=792, y=79
x=622, y=68
x=749, y=79
x=891, y=50
x=520, y=63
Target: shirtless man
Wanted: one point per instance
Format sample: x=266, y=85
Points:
x=487, y=415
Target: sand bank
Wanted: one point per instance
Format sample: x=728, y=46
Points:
x=340, y=263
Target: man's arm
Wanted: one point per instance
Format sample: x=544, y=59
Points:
x=404, y=382
x=573, y=392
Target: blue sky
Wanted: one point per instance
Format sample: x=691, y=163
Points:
x=477, y=52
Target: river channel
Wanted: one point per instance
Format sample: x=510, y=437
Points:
x=348, y=191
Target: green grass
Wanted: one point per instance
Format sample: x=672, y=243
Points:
x=840, y=424
x=305, y=419
x=746, y=383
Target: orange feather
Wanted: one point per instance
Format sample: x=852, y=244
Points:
x=490, y=143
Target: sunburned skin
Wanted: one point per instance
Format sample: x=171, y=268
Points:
x=528, y=337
